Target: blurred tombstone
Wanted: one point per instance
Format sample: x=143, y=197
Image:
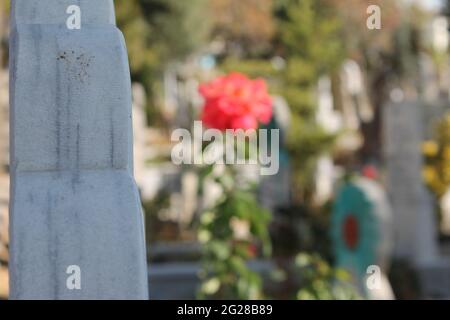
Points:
x=414, y=225
x=355, y=102
x=4, y=120
x=139, y=131
x=331, y=121
x=189, y=189
x=180, y=94
x=325, y=176
x=434, y=63
x=170, y=93
x=362, y=234
x=76, y=220
x=429, y=78
x=275, y=190
x=437, y=36
x=328, y=118
x=434, y=81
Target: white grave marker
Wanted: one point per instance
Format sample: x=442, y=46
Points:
x=73, y=197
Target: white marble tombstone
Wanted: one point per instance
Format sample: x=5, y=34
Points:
x=414, y=220
x=76, y=221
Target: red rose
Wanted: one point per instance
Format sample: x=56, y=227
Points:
x=235, y=102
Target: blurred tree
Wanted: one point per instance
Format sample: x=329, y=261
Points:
x=308, y=35
x=357, y=38
x=388, y=57
x=137, y=31
x=247, y=27
x=180, y=27
x=158, y=32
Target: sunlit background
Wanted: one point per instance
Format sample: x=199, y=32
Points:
x=360, y=208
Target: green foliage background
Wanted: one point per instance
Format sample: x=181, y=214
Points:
x=159, y=32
